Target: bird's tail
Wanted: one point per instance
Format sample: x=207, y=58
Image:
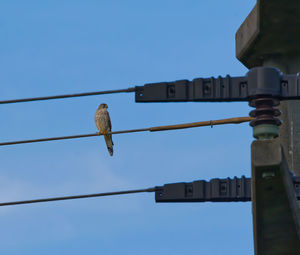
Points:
x=109, y=144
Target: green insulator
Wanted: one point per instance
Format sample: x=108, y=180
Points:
x=265, y=131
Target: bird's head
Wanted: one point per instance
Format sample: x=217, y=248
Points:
x=103, y=106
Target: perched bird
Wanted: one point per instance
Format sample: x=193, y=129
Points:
x=103, y=124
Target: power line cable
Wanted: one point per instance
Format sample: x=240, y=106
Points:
x=67, y=96
x=42, y=200
x=211, y=123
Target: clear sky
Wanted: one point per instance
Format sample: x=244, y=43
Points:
x=55, y=47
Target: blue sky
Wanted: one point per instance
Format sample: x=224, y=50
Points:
x=55, y=47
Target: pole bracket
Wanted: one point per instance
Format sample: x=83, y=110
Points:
x=215, y=190
x=259, y=81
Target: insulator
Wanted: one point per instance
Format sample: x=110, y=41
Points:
x=265, y=113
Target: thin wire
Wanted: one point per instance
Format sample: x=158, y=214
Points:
x=237, y=120
x=67, y=96
x=42, y=200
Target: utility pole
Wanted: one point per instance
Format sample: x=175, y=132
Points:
x=270, y=36
x=266, y=42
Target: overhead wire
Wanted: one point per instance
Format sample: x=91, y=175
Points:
x=42, y=200
x=67, y=96
x=210, y=123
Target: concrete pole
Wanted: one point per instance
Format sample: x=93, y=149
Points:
x=290, y=128
x=270, y=36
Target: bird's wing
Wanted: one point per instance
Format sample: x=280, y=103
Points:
x=108, y=120
x=109, y=136
x=97, y=120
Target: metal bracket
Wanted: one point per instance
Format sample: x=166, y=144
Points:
x=215, y=190
x=265, y=81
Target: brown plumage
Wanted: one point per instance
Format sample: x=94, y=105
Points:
x=103, y=124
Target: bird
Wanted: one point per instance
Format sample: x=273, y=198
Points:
x=103, y=124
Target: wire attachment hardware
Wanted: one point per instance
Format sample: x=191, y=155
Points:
x=215, y=190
